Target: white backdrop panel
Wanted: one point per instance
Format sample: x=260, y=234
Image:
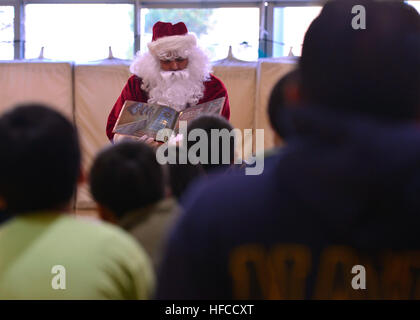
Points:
x=240, y=79
x=43, y=82
x=269, y=72
x=97, y=87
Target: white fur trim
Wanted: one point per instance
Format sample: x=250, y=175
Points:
x=172, y=43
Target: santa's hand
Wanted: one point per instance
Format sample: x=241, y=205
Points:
x=122, y=137
x=118, y=138
x=150, y=141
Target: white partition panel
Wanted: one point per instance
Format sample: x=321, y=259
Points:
x=43, y=82
x=269, y=72
x=97, y=87
x=240, y=79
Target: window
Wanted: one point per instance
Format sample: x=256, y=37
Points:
x=7, y=14
x=79, y=32
x=290, y=25
x=216, y=29
x=83, y=30
x=415, y=4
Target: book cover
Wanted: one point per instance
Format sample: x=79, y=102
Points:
x=139, y=118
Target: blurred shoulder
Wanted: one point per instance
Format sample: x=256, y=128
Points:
x=102, y=232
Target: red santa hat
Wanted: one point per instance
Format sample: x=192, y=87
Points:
x=168, y=37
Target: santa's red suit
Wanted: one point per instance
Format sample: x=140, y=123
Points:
x=213, y=89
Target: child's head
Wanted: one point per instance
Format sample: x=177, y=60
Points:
x=126, y=177
x=40, y=159
x=181, y=175
x=214, y=127
x=374, y=71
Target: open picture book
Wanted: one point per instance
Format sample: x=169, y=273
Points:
x=139, y=118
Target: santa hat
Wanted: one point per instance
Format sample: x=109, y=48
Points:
x=168, y=37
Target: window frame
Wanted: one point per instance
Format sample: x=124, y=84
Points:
x=195, y=5
x=266, y=15
x=284, y=4
x=17, y=25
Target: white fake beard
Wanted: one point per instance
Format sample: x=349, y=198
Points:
x=176, y=89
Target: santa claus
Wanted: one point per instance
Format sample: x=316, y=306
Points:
x=175, y=72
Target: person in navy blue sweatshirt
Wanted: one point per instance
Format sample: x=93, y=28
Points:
x=338, y=213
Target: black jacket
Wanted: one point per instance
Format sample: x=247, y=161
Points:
x=344, y=192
